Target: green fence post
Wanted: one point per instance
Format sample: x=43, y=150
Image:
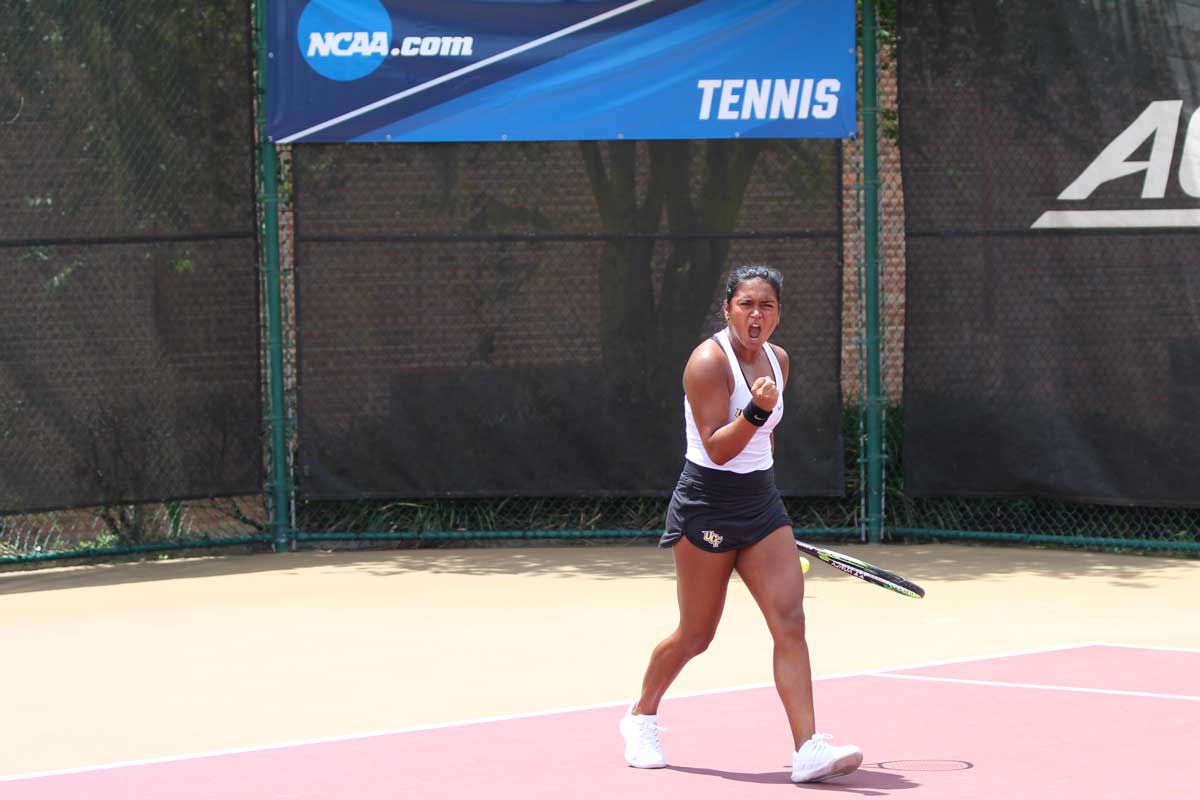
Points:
x=870, y=146
x=268, y=200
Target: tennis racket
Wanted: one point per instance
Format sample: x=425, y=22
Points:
x=861, y=569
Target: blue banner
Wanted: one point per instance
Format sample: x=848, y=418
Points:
x=494, y=70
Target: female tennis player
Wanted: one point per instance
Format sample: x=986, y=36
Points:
x=726, y=514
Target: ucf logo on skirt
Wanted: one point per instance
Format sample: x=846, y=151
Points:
x=713, y=538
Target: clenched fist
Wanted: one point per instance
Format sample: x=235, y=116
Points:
x=764, y=393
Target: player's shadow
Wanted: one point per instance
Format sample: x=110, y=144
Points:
x=867, y=782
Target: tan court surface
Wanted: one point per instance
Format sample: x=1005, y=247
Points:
x=108, y=663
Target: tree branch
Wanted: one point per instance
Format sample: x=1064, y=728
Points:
x=593, y=164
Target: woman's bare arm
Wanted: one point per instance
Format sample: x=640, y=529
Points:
x=708, y=385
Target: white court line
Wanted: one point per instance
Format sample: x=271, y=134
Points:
x=1055, y=688
x=1123, y=218
x=507, y=717
x=578, y=26
x=968, y=659
x=1160, y=648
x=1029, y=652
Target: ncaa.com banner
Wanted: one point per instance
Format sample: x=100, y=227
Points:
x=494, y=70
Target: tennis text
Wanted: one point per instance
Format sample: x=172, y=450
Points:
x=779, y=98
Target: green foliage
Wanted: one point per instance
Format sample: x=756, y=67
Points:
x=127, y=86
x=887, y=38
x=105, y=541
x=175, y=524
x=885, y=25
x=483, y=514
x=58, y=281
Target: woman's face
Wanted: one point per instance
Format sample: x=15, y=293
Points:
x=752, y=312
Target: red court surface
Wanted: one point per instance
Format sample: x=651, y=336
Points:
x=1103, y=722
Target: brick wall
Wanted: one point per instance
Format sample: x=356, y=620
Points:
x=891, y=252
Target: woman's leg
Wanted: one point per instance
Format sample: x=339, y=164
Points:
x=701, y=581
x=771, y=571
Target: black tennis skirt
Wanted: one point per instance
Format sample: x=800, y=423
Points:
x=718, y=510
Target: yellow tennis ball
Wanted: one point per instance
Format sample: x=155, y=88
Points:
x=803, y=564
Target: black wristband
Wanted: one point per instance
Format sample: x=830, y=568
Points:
x=755, y=415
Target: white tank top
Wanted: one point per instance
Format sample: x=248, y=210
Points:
x=757, y=453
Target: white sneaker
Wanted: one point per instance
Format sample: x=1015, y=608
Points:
x=642, y=749
x=817, y=760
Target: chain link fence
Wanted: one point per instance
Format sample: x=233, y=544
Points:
x=992, y=141
x=501, y=232
x=130, y=412
x=132, y=377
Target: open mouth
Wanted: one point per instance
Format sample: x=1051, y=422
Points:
x=755, y=331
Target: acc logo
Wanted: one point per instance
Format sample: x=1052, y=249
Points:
x=1159, y=124
x=344, y=40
